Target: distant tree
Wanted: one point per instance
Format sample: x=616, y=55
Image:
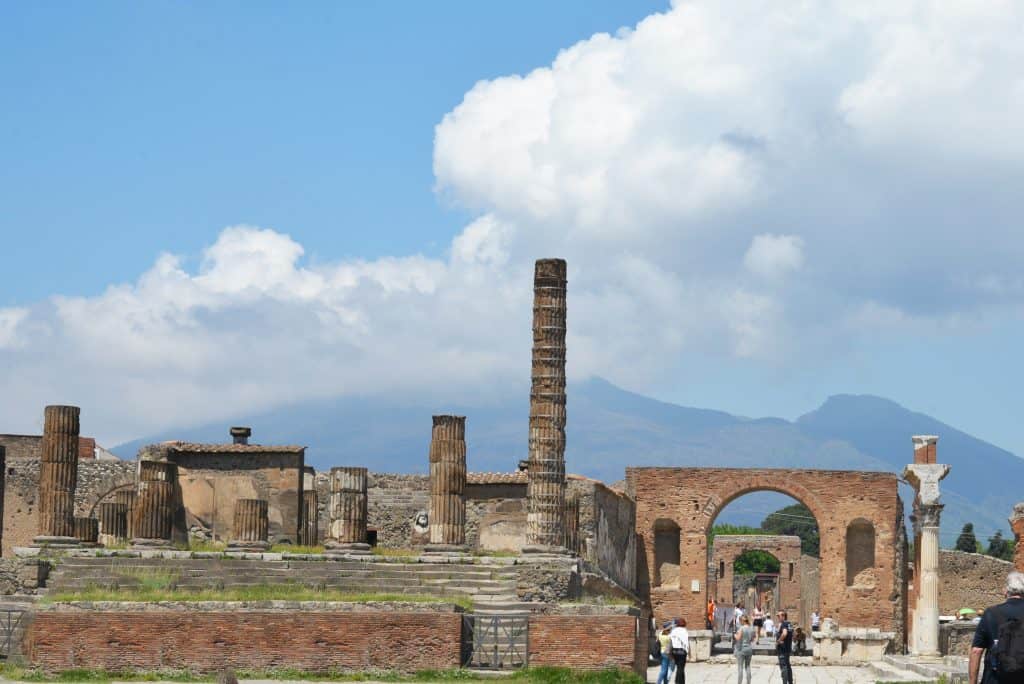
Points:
x=726, y=530
x=755, y=562
x=796, y=520
x=999, y=547
x=967, y=541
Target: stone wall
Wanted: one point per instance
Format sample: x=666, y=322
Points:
x=691, y=498
x=970, y=580
x=22, y=446
x=609, y=541
x=589, y=642
x=22, y=575
x=810, y=590
x=96, y=481
x=210, y=640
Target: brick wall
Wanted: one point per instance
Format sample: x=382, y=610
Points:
x=691, y=498
x=589, y=642
x=251, y=640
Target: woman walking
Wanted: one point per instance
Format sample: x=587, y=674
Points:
x=680, y=639
x=666, y=653
x=743, y=647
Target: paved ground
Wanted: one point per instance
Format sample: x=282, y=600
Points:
x=763, y=673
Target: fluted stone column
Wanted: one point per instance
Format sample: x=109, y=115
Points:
x=250, y=527
x=545, y=491
x=58, y=476
x=924, y=476
x=3, y=488
x=310, y=518
x=572, y=523
x=113, y=523
x=153, y=512
x=87, y=531
x=348, y=511
x=126, y=497
x=447, y=521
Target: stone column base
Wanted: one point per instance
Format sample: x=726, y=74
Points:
x=254, y=546
x=357, y=548
x=142, y=544
x=47, y=542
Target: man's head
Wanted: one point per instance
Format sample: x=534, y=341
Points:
x=1015, y=585
x=782, y=615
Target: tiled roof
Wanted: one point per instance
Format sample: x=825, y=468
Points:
x=192, y=447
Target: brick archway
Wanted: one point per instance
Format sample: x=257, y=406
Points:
x=692, y=498
x=115, y=485
x=784, y=548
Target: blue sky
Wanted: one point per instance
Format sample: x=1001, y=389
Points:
x=211, y=208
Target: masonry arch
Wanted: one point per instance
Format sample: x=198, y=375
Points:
x=692, y=498
x=115, y=485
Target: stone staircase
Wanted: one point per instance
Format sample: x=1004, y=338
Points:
x=491, y=588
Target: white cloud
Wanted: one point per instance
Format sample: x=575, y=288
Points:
x=680, y=166
x=772, y=256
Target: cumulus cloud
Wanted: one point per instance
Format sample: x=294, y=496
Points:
x=685, y=167
x=772, y=256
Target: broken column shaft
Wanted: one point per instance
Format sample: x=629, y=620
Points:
x=572, y=523
x=126, y=497
x=310, y=518
x=545, y=492
x=87, y=531
x=153, y=512
x=447, y=519
x=113, y=523
x=58, y=476
x=250, y=527
x=348, y=510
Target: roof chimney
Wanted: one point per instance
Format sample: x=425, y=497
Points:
x=240, y=435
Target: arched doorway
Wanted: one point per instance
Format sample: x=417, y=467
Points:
x=692, y=498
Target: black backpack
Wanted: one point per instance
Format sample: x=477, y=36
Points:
x=1009, y=650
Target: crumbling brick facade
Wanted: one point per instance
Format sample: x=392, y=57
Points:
x=589, y=642
x=848, y=506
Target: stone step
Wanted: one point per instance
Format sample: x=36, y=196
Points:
x=271, y=567
x=884, y=672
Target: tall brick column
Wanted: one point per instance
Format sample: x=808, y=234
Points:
x=113, y=523
x=250, y=528
x=153, y=512
x=545, y=490
x=58, y=476
x=348, y=511
x=310, y=535
x=924, y=476
x=448, y=485
x=1017, y=525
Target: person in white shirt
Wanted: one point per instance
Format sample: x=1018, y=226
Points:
x=815, y=621
x=769, y=627
x=680, y=639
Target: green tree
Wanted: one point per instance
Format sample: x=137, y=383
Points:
x=999, y=547
x=755, y=562
x=967, y=541
x=796, y=520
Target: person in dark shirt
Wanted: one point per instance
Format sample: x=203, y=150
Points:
x=987, y=633
x=784, y=646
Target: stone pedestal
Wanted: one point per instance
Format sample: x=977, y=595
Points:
x=1017, y=525
x=924, y=476
x=347, y=531
x=545, y=491
x=249, y=531
x=113, y=523
x=447, y=519
x=310, y=532
x=153, y=513
x=58, y=477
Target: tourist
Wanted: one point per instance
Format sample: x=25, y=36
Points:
x=711, y=613
x=784, y=647
x=1001, y=625
x=769, y=627
x=758, y=621
x=680, y=647
x=815, y=621
x=743, y=647
x=799, y=641
x=667, y=664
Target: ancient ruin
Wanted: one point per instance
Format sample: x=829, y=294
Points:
x=532, y=553
x=545, y=496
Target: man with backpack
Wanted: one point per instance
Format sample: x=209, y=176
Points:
x=1000, y=638
x=784, y=647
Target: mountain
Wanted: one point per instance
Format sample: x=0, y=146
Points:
x=610, y=428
